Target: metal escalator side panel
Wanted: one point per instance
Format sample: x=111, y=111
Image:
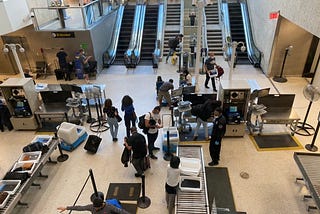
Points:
x=160, y=32
x=226, y=33
x=254, y=54
x=137, y=49
x=110, y=53
x=128, y=55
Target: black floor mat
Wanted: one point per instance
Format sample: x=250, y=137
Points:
x=124, y=191
x=219, y=189
x=278, y=141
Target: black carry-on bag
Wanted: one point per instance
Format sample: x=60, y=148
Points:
x=93, y=143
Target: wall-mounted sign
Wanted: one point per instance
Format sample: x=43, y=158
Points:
x=62, y=34
x=274, y=15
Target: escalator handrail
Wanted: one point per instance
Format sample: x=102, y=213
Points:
x=157, y=49
x=226, y=30
x=204, y=31
x=254, y=53
x=110, y=53
x=137, y=48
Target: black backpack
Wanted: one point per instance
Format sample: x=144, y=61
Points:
x=142, y=124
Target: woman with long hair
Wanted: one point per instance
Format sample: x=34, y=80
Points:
x=129, y=113
x=110, y=113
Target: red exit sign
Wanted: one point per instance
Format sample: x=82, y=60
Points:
x=274, y=15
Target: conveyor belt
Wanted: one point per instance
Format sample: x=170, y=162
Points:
x=15, y=198
x=308, y=164
x=193, y=202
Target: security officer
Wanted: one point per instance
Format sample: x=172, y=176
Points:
x=218, y=131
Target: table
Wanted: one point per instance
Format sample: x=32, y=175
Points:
x=56, y=110
x=280, y=116
x=15, y=198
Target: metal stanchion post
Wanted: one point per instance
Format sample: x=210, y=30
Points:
x=143, y=201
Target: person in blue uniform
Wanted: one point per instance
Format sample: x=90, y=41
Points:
x=218, y=131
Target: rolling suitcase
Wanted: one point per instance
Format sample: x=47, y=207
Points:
x=93, y=143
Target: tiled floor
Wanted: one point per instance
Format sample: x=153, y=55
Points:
x=270, y=189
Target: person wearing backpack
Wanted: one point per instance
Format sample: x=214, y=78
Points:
x=173, y=44
x=153, y=123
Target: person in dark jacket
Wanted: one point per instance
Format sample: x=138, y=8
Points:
x=137, y=143
x=205, y=112
x=218, y=131
x=173, y=44
x=97, y=207
x=209, y=66
x=129, y=113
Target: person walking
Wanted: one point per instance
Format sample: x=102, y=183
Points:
x=203, y=114
x=153, y=123
x=159, y=83
x=173, y=44
x=110, y=113
x=129, y=113
x=98, y=206
x=209, y=66
x=137, y=143
x=172, y=181
x=218, y=131
x=164, y=92
x=85, y=64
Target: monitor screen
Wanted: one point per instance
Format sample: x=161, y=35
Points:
x=189, y=89
x=176, y=92
x=55, y=96
x=233, y=109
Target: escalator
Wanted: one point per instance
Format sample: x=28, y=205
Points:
x=237, y=31
x=125, y=34
x=149, y=35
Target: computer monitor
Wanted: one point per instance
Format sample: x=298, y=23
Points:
x=55, y=96
x=177, y=92
x=233, y=109
x=189, y=89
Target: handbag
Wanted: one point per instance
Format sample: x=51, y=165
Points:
x=119, y=119
x=146, y=163
x=125, y=157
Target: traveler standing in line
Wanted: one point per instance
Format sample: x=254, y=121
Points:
x=85, y=64
x=129, y=113
x=173, y=44
x=110, y=113
x=209, y=65
x=159, y=83
x=153, y=123
x=137, y=143
x=218, y=131
x=164, y=92
x=62, y=59
x=173, y=177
